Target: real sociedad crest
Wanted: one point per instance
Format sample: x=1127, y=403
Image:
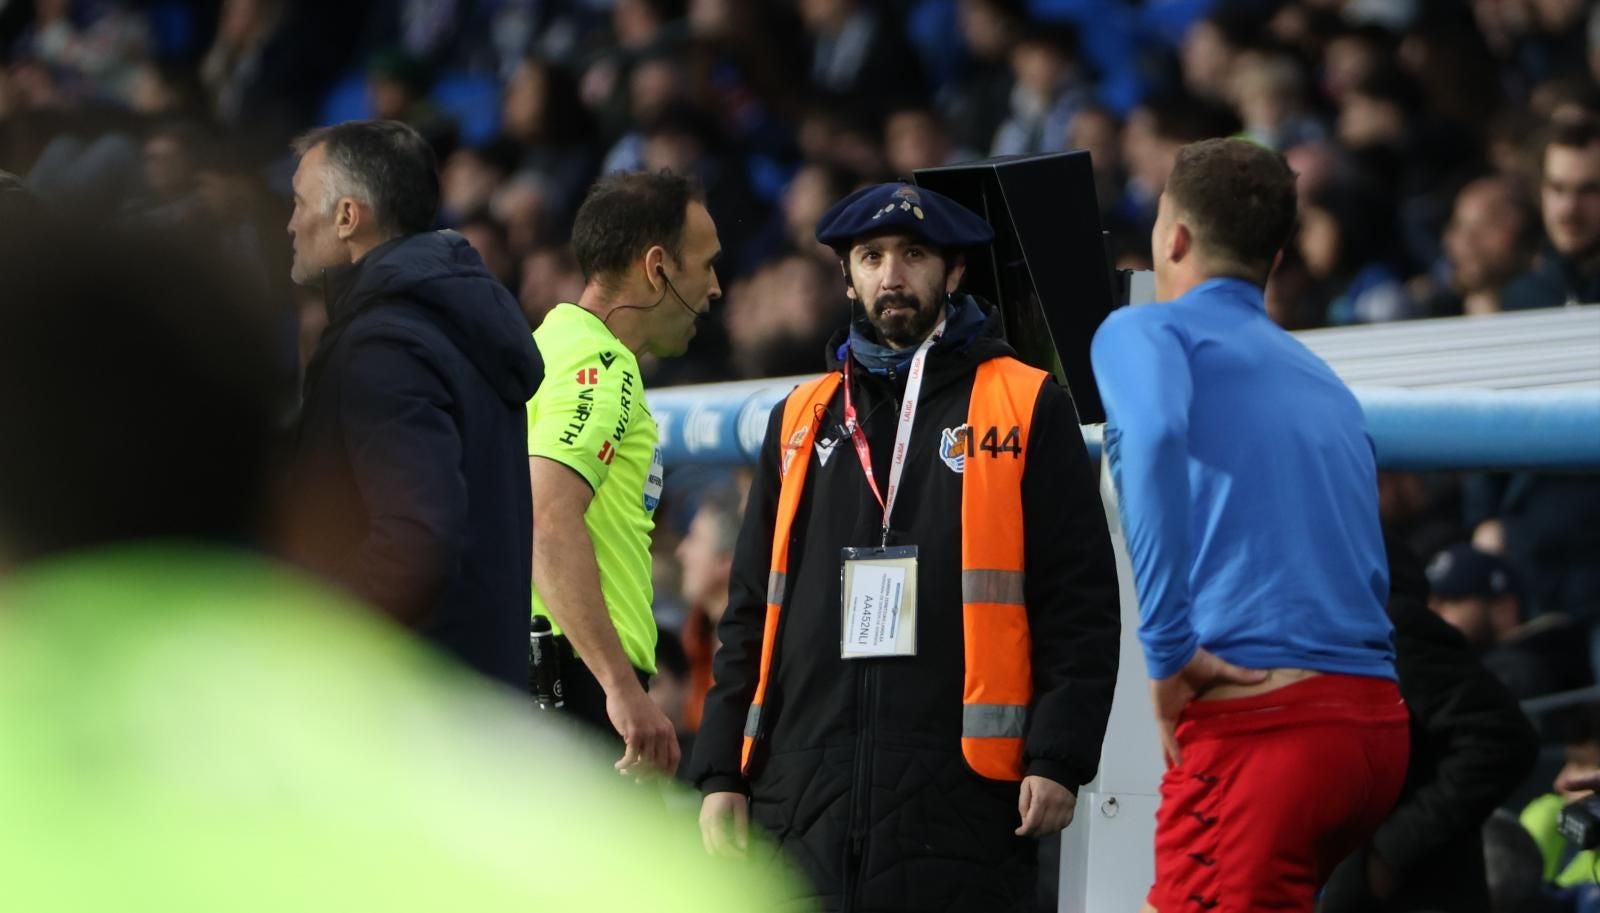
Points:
x=953, y=444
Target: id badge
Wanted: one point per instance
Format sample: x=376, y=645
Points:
x=880, y=602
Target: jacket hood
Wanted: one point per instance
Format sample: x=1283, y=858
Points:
x=440, y=273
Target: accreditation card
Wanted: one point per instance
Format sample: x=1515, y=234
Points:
x=880, y=602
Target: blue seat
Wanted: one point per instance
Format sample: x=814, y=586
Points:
x=347, y=100
x=473, y=101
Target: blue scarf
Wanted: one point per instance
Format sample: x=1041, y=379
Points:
x=964, y=320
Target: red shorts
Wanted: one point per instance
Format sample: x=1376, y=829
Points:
x=1274, y=791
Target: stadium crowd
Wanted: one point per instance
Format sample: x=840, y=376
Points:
x=1448, y=156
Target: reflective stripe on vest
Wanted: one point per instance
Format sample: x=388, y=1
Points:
x=998, y=678
x=797, y=430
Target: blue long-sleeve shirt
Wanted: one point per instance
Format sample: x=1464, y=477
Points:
x=1248, y=489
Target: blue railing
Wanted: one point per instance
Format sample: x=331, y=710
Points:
x=1547, y=430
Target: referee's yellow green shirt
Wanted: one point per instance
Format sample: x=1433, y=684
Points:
x=590, y=415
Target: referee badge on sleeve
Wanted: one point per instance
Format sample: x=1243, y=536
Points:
x=653, y=483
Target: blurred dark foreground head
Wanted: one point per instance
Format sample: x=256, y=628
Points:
x=136, y=392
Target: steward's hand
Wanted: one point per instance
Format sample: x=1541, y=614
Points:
x=1045, y=806
x=725, y=824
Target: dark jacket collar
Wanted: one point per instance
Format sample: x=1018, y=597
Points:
x=437, y=277
x=339, y=282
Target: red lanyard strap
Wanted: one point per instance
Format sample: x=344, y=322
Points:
x=902, y=437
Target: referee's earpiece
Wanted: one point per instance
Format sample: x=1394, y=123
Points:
x=660, y=271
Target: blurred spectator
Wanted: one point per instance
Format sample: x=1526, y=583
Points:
x=1095, y=129
x=748, y=56
x=172, y=158
x=684, y=140
x=638, y=24
x=1346, y=240
x=1315, y=165
x=858, y=51
x=778, y=319
x=976, y=105
x=1353, y=56
x=91, y=176
x=915, y=138
x=1291, y=294
x=97, y=44
x=1511, y=151
x=489, y=240
x=1044, y=94
x=1470, y=747
x=528, y=205
x=397, y=86
x=1490, y=240
x=670, y=686
x=541, y=114
x=1421, y=511
x=1210, y=48
x=1594, y=44
x=245, y=30
x=829, y=131
x=1543, y=525
x=550, y=276
x=1560, y=100
x=1156, y=130
x=1480, y=596
x=188, y=180
x=1568, y=271
x=812, y=190
x=1270, y=95
x=469, y=179
x=1475, y=592
x=706, y=555
x=1375, y=111
x=1453, y=66
x=166, y=89
x=655, y=84
x=1554, y=44
x=638, y=28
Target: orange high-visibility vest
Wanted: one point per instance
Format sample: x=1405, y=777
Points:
x=998, y=684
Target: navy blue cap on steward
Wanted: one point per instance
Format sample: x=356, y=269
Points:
x=904, y=208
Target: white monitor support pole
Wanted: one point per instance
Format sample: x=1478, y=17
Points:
x=1108, y=853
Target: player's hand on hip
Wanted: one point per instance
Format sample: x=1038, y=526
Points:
x=1171, y=695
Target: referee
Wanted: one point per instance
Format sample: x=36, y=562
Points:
x=648, y=250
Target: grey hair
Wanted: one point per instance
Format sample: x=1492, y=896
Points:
x=342, y=180
x=384, y=165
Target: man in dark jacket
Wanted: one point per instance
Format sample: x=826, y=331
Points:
x=1470, y=747
x=1568, y=271
x=912, y=773
x=413, y=420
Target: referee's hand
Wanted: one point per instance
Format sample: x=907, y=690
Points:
x=652, y=743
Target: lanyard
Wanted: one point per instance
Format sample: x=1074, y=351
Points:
x=902, y=436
